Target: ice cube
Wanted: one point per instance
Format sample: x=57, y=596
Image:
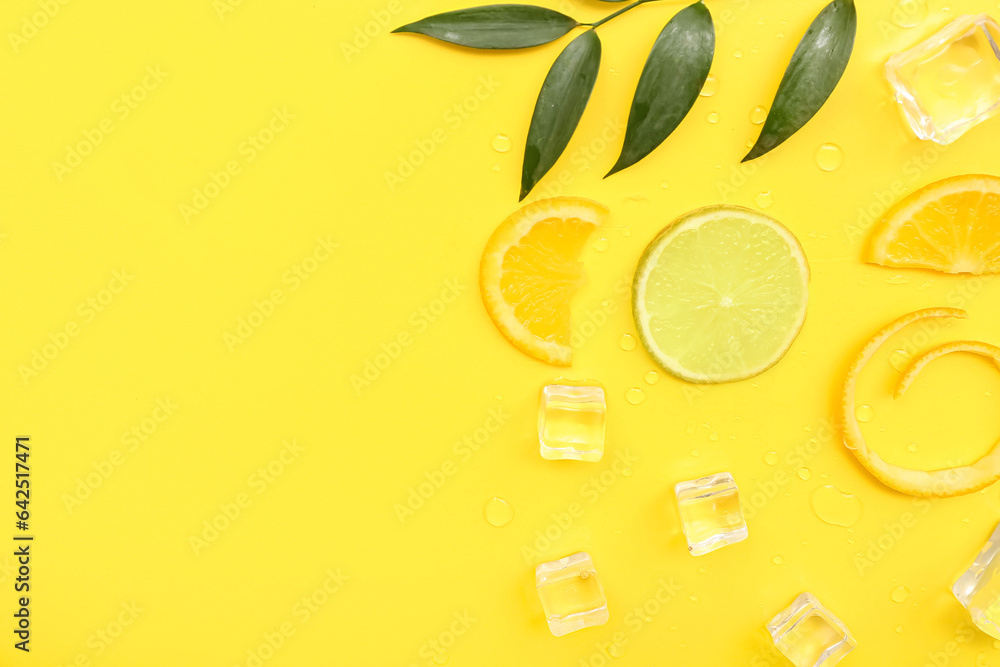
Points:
x=949, y=83
x=711, y=514
x=809, y=635
x=571, y=594
x=978, y=589
x=571, y=422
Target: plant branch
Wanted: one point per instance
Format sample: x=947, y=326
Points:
x=618, y=13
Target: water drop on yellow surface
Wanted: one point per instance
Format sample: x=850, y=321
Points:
x=496, y=167
x=804, y=473
x=714, y=437
x=664, y=185
x=758, y=115
x=780, y=35
x=771, y=458
x=912, y=448
x=829, y=157
x=899, y=629
x=498, y=512
x=835, y=507
x=627, y=472
x=626, y=231
x=617, y=650
x=501, y=143
x=652, y=377
x=764, y=199
x=900, y=593
x=909, y=13
x=601, y=244
x=498, y=397
x=864, y=413
x=711, y=86
x=693, y=598
x=696, y=453
x=777, y=560
x=634, y=395
x=898, y=280
x=627, y=342
x=737, y=54
x=900, y=359
x=712, y=117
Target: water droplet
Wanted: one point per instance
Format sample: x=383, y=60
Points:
x=758, y=115
x=750, y=143
x=899, y=629
x=496, y=167
x=771, y=458
x=835, y=507
x=601, y=244
x=617, y=650
x=634, y=395
x=804, y=473
x=498, y=397
x=912, y=448
x=900, y=593
x=693, y=598
x=711, y=86
x=737, y=54
x=713, y=117
x=714, y=437
x=761, y=21
x=764, y=199
x=900, y=359
x=664, y=185
x=909, y=13
x=898, y=280
x=626, y=231
x=829, y=157
x=627, y=342
x=498, y=512
x=696, y=453
x=612, y=71
x=780, y=35
x=440, y=658
x=777, y=560
x=627, y=472
x=652, y=377
x=864, y=413
x=501, y=143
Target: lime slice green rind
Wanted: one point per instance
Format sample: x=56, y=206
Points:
x=720, y=294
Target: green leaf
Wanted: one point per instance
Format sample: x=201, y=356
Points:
x=495, y=26
x=674, y=74
x=561, y=101
x=816, y=67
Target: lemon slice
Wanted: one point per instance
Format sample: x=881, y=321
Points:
x=720, y=294
x=952, y=225
x=940, y=483
x=530, y=270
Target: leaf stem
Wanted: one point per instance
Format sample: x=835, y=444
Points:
x=616, y=14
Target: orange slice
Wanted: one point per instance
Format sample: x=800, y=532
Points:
x=946, y=482
x=530, y=271
x=951, y=225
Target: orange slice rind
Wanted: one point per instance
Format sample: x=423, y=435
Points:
x=952, y=225
x=942, y=483
x=530, y=271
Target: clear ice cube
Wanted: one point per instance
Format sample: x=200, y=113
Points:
x=949, y=83
x=571, y=594
x=809, y=635
x=978, y=589
x=571, y=422
x=711, y=514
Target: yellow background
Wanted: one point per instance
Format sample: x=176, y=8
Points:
x=355, y=108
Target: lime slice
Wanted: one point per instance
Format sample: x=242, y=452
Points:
x=720, y=294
